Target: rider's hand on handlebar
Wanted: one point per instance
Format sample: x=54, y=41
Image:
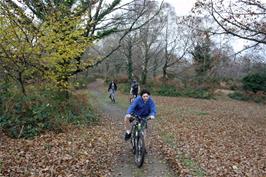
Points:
x=151, y=117
x=128, y=115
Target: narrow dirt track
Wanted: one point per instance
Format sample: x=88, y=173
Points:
x=124, y=165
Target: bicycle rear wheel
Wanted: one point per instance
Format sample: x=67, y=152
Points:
x=139, y=150
x=113, y=98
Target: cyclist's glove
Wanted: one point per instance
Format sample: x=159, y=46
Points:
x=128, y=115
x=151, y=117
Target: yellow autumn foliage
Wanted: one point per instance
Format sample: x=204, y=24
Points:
x=53, y=48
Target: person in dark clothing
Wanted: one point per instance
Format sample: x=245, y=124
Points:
x=134, y=90
x=112, y=89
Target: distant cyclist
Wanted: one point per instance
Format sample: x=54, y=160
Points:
x=134, y=90
x=112, y=89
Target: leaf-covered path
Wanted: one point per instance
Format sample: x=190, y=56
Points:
x=124, y=166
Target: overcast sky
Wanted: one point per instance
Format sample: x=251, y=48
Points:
x=182, y=7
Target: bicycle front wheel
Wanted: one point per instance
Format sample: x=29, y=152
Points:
x=140, y=150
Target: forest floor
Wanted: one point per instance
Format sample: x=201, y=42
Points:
x=191, y=137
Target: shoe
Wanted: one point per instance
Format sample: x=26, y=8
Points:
x=127, y=136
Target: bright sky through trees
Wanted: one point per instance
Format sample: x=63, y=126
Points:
x=182, y=7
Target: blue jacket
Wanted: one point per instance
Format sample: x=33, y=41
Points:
x=142, y=109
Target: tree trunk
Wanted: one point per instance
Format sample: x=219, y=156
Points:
x=155, y=68
x=129, y=63
x=20, y=79
x=145, y=70
x=165, y=70
x=165, y=52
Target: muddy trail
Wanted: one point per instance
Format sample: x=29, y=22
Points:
x=123, y=164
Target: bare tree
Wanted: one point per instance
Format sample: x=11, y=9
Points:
x=128, y=49
x=244, y=19
x=176, y=43
x=149, y=41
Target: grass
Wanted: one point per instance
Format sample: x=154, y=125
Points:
x=120, y=98
x=138, y=172
x=191, y=165
x=168, y=139
x=123, y=101
x=103, y=99
x=191, y=111
x=47, y=146
x=168, y=175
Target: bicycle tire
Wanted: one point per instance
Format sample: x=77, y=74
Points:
x=113, y=98
x=140, y=150
x=133, y=142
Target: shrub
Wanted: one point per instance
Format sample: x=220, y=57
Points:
x=82, y=82
x=239, y=96
x=255, y=82
x=121, y=79
x=44, y=109
x=25, y=116
x=168, y=90
x=197, y=93
x=124, y=88
x=260, y=99
x=242, y=96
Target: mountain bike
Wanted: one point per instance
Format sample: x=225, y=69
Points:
x=137, y=139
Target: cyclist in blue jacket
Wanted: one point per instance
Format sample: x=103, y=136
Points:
x=142, y=106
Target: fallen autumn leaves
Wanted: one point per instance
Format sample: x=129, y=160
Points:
x=77, y=152
x=197, y=137
x=213, y=138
